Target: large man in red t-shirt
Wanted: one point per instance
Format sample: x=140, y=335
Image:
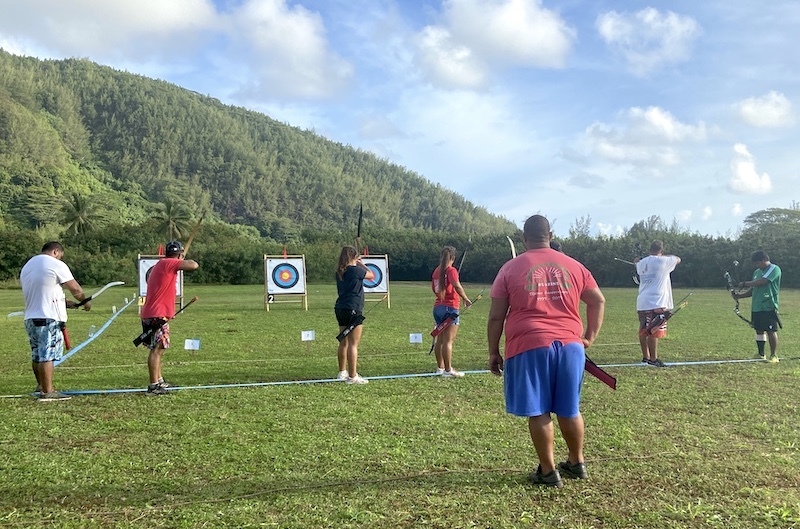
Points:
x=159, y=308
x=537, y=296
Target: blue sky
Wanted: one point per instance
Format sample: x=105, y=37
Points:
x=604, y=111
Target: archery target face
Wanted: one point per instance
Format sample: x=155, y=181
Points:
x=286, y=276
x=145, y=264
x=380, y=284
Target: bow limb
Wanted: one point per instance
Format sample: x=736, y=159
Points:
x=194, y=232
x=513, y=248
x=732, y=288
x=90, y=298
x=464, y=255
x=358, y=229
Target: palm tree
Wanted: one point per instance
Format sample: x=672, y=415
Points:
x=174, y=218
x=79, y=214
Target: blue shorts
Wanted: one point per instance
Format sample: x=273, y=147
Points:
x=47, y=341
x=546, y=380
x=440, y=312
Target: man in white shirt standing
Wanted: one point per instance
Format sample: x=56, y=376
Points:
x=43, y=278
x=654, y=299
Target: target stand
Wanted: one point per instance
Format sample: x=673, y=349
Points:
x=378, y=288
x=285, y=280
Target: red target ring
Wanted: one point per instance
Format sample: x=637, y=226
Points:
x=285, y=275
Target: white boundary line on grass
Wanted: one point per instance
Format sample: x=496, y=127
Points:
x=273, y=360
x=381, y=377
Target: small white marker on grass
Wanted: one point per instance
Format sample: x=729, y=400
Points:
x=415, y=338
x=192, y=344
x=308, y=337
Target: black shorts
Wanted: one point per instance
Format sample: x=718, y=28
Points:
x=764, y=321
x=346, y=316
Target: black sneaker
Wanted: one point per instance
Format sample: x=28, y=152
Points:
x=645, y=361
x=552, y=479
x=576, y=471
x=657, y=362
x=156, y=389
x=164, y=384
x=53, y=396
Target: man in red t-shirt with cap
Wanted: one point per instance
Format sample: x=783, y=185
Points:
x=159, y=308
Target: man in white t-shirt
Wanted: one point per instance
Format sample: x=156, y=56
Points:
x=654, y=299
x=43, y=278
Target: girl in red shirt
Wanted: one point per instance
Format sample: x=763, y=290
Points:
x=449, y=293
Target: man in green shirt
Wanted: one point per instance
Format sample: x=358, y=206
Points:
x=764, y=288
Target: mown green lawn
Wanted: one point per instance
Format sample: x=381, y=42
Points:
x=697, y=445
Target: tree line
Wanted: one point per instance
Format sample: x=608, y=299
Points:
x=231, y=254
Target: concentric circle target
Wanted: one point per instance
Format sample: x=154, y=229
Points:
x=285, y=275
x=377, y=280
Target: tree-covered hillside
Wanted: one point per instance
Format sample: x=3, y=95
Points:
x=113, y=164
x=128, y=147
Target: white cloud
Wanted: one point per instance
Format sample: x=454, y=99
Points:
x=648, y=38
x=706, y=213
x=285, y=51
x=684, y=215
x=737, y=210
x=744, y=177
x=267, y=48
x=610, y=229
x=106, y=30
x=770, y=110
x=481, y=128
x=447, y=63
x=477, y=35
x=645, y=137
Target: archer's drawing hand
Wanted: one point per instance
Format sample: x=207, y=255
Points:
x=496, y=364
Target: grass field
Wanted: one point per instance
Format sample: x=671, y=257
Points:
x=697, y=445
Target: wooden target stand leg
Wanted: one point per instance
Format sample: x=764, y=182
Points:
x=271, y=299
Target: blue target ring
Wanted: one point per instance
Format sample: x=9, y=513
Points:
x=285, y=275
x=372, y=283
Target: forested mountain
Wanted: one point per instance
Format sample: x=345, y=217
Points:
x=125, y=146
x=112, y=164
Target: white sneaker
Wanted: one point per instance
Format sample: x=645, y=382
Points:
x=440, y=371
x=452, y=373
x=342, y=375
x=358, y=379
